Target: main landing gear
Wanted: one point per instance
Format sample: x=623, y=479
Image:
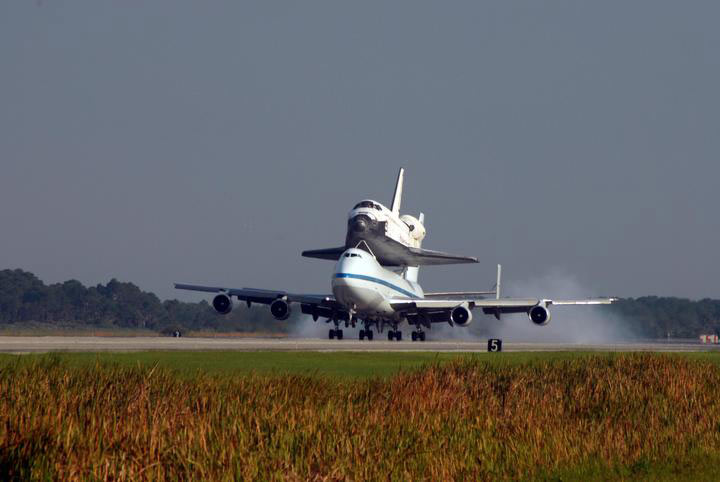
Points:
x=418, y=335
x=338, y=333
x=395, y=334
x=366, y=334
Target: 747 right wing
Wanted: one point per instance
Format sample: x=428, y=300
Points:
x=441, y=310
x=317, y=305
x=256, y=295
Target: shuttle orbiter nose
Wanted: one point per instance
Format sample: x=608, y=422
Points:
x=360, y=223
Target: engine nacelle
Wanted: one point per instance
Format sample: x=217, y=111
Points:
x=461, y=316
x=539, y=314
x=417, y=230
x=280, y=309
x=223, y=304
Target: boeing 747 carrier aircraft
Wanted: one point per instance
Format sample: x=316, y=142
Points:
x=374, y=296
x=365, y=292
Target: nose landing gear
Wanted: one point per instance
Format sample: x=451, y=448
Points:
x=418, y=335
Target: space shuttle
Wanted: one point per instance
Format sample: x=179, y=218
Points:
x=393, y=239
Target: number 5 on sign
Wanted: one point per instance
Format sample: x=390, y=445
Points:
x=494, y=345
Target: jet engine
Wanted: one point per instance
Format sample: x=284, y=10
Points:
x=223, y=304
x=280, y=309
x=539, y=314
x=461, y=316
x=417, y=230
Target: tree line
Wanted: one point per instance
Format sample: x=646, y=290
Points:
x=25, y=298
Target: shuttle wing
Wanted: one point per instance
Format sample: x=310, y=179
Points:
x=325, y=253
x=424, y=257
x=392, y=253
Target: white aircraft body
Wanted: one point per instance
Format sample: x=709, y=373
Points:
x=367, y=293
x=394, y=239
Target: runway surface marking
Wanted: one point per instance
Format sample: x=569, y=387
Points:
x=40, y=344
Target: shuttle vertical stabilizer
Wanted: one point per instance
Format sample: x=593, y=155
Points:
x=397, y=198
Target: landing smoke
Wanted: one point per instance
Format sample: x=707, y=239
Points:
x=569, y=324
x=303, y=326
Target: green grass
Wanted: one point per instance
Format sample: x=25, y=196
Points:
x=228, y=363
x=354, y=365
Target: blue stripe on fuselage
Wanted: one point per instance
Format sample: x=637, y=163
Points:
x=379, y=281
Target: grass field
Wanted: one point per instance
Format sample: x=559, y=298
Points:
x=233, y=363
x=344, y=365
x=265, y=415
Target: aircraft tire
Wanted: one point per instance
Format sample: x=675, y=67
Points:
x=369, y=335
x=414, y=336
x=339, y=334
x=331, y=334
x=362, y=335
x=391, y=335
x=398, y=335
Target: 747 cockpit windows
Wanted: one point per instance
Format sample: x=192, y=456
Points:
x=352, y=255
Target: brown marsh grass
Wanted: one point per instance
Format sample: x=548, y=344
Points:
x=466, y=419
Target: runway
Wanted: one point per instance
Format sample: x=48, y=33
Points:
x=43, y=344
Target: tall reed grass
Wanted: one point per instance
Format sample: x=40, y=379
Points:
x=465, y=419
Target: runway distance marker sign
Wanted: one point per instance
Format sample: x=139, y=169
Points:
x=494, y=345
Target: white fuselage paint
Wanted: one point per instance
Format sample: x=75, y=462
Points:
x=362, y=285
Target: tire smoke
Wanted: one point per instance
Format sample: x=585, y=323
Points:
x=569, y=324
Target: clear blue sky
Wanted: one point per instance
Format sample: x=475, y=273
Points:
x=211, y=142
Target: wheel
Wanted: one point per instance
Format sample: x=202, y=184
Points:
x=362, y=335
x=391, y=335
x=339, y=334
x=369, y=334
x=398, y=335
x=414, y=336
x=422, y=336
x=331, y=334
